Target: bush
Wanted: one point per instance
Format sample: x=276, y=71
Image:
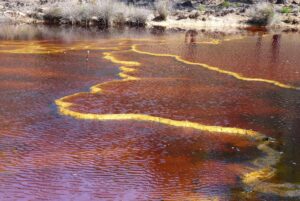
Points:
x=226, y=4
x=53, y=15
x=137, y=16
x=286, y=10
x=261, y=14
x=162, y=9
x=102, y=12
x=202, y=8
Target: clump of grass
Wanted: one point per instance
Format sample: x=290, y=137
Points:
x=53, y=15
x=137, y=16
x=162, y=9
x=102, y=12
x=202, y=8
x=262, y=14
x=286, y=9
x=226, y=4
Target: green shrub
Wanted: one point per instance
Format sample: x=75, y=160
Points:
x=226, y=4
x=286, y=9
x=202, y=8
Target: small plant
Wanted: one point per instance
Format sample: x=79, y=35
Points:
x=202, y=8
x=226, y=4
x=286, y=10
x=54, y=11
x=237, y=4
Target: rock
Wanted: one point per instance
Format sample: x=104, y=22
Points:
x=20, y=4
x=159, y=18
x=291, y=20
x=43, y=2
x=212, y=2
x=50, y=19
x=36, y=15
x=194, y=15
x=254, y=1
x=40, y=15
x=209, y=12
x=39, y=10
x=273, y=1
x=243, y=10
x=7, y=5
x=181, y=17
x=94, y=20
x=9, y=13
x=287, y=2
x=20, y=14
x=185, y=5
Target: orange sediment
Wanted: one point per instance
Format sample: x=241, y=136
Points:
x=255, y=177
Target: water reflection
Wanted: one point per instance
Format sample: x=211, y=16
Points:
x=275, y=50
x=190, y=36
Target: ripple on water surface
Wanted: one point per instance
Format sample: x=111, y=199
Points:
x=48, y=155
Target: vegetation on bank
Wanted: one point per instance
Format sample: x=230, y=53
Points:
x=96, y=12
x=261, y=14
x=162, y=8
x=107, y=13
x=286, y=9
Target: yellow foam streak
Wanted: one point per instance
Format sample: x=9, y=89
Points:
x=40, y=47
x=256, y=179
x=109, y=56
x=219, y=41
x=50, y=49
x=212, y=42
x=124, y=70
x=141, y=117
x=216, y=69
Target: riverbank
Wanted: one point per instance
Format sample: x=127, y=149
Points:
x=183, y=15
x=231, y=18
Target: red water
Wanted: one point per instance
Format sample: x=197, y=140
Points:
x=45, y=155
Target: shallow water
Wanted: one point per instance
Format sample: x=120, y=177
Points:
x=142, y=115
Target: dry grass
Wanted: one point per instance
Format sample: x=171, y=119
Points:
x=103, y=12
x=162, y=9
x=262, y=14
